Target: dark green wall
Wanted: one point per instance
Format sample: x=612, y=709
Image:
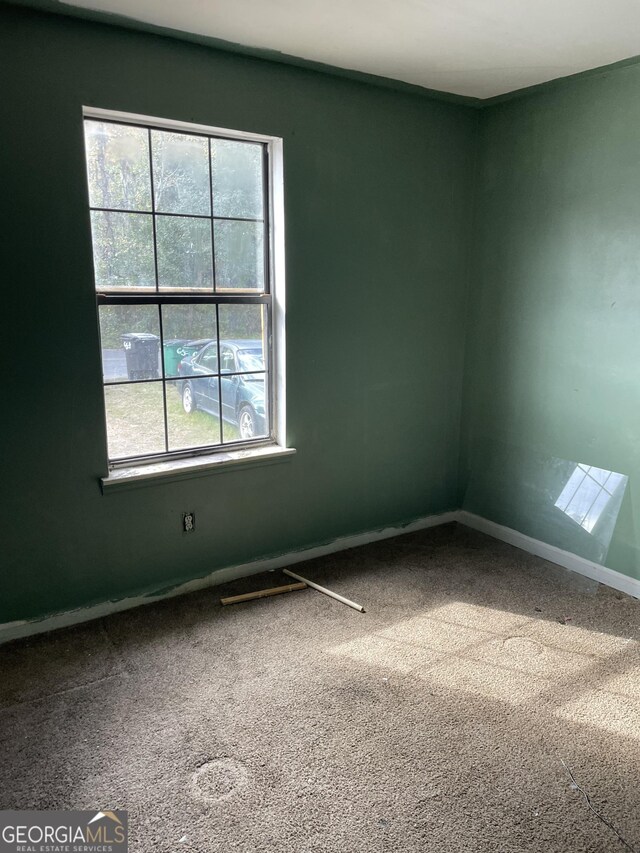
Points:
x=553, y=351
x=378, y=188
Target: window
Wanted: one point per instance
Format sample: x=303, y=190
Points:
x=183, y=248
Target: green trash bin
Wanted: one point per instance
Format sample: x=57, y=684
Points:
x=173, y=355
x=177, y=349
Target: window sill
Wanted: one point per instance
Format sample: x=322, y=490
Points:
x=120, y=479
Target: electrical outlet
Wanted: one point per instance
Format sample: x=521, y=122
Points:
x=188, y=522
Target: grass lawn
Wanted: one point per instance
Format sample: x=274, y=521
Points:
x=135, y=421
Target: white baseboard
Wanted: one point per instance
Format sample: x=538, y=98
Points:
x=609, y=577
x=14, y=630
x=570, y=561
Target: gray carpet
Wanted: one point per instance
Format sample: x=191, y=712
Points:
x=436, y=721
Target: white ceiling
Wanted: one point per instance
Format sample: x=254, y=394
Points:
x=479, y=48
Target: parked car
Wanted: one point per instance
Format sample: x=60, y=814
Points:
x=241, y=378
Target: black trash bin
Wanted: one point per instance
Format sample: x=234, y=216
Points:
x=142, y=353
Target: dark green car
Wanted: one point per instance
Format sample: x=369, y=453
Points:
x=241, y=380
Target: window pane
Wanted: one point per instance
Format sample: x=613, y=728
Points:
x=245, y=324
x=192, y=413
x=130, y=340
x=187, y=330
x=184, y=252
x=181, y=173
x=118, y=166
x=135, y=419
x=122, y=250
x=236, y=173
x=243, y=407
x=239, y=252
x=242, y=363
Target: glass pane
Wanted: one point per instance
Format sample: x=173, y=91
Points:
x=123, y=250
x=117, y=166
x=239, y=250
x=242, y=365
x=184, y=252
x=187, y=330
x=243, y=407
x=192, y=413
x=181, y=173
x=245, y=325
x=130, y=341
x=135, y=419
x=236, y=174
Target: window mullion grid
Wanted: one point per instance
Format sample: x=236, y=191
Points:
x=173, y=298
x=90, y=115
x=176, y=214
x=187, y=453
x=158, y=298
x=159, y=307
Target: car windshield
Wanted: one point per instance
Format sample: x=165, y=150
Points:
x=250, y=359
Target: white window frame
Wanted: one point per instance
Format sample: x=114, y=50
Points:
x=182, y=464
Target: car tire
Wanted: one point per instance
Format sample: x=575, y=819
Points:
x=247, y=424
x=188, y=399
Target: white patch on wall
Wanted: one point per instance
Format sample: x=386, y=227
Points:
x=592, y=495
